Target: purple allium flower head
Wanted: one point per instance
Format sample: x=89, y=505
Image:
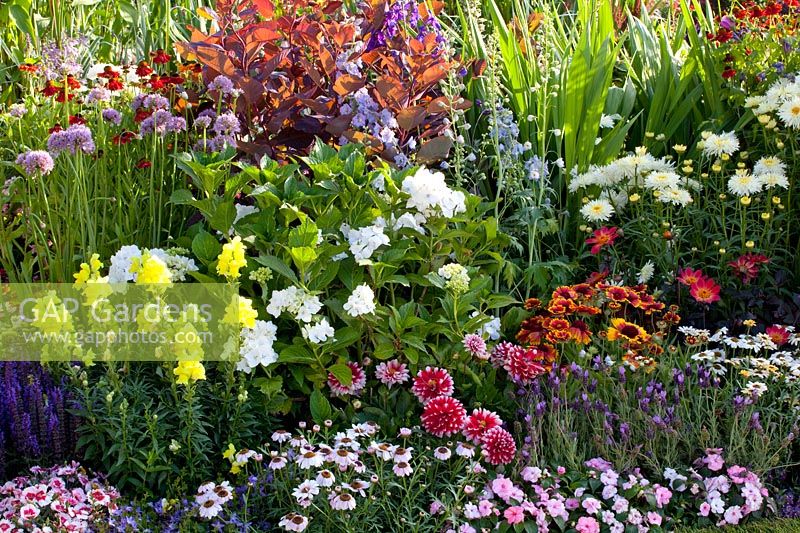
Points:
x=76, y=138
x=727, y=22
x=112, y=115
x=17, y=110
x=58, y=62
x=203, y=122
x=36, y=162
x=223, y=84
x=227, y=124
x=98, y=94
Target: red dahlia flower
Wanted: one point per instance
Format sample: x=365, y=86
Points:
x=705, y=290
x=601, y=238
x=356, y=384
x=479, y=422
x=499, y=447
x=443, y=416
x=524, y=364
x=431, y=383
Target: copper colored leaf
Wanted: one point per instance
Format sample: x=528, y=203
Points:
x=265, y=8
x=426, y=7
x=215, y=58
x=434, y=150
x=328, y=62
x=348, y=84
x=411, y=117
x=434, y=74
x=478, y=67
x=338, y=125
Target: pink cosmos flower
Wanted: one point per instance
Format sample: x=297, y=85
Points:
x=587, y=524
x=514, y=515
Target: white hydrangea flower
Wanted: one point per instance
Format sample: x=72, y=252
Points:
x=319, y=332
x=121, y=263
x=241, y=212
x=257, y=346
x=361, y=301
x=430, y=195
x=297, y=302
x=364, y=241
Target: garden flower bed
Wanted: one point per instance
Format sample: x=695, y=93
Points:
x=399, y=266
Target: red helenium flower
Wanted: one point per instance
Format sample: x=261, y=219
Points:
x=443, y=416
x=432, y=382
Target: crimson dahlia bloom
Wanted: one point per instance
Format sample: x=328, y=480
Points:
x=689, y=277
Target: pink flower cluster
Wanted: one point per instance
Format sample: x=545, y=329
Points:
x=602, y=499
x=61, y=498
x=443, y=416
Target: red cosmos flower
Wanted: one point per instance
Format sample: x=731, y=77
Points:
x=76, y=119
x=431, y=383
x=479, y=422
x=160, y=57
x=141, y=114
x=728, y=73
x=746, y=267
x=601, y=238
x=73, y=83
x=56, y=128
x=499, y=447
x=143, y=69
x=778, y=334
x=144, y=163
x=443, y=416
x=688, y=277
x=705, y=290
